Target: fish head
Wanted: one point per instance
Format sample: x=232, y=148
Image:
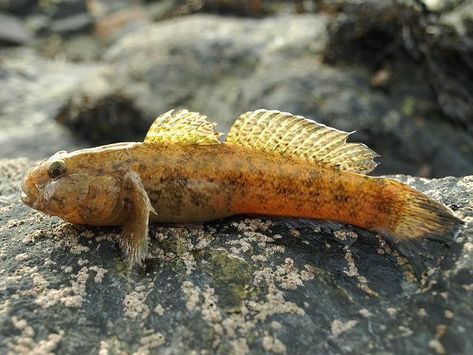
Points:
x=75, y=189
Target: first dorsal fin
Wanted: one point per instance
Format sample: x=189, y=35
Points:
x=281, y=132
x=182, y=126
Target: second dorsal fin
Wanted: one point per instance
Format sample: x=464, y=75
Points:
x=182, y=126
x=281, y=132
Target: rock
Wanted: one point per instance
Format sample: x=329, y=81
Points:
x=375, y=33
x=460, y=18
x=235, y=286
x=440, y=5
x=12, y=31
x=121, y=22
x=232, y=7
x=72, y=25
x=19, y=7
x=182, y=73
x=33, y=90
x=223, y=67
x=81, y=49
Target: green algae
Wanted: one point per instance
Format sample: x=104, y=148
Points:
x=231, y=278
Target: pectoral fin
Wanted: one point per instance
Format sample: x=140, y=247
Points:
x=134, y=236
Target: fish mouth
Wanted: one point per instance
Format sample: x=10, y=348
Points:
x=26, y=199
x=29, y=194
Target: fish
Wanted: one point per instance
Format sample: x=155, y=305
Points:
x=270, y=163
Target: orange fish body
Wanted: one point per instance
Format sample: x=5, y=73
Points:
x=183, y=174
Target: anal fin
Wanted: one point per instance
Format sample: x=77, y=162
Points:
x=134, y=236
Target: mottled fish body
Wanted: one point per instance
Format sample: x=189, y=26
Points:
x=271, y=163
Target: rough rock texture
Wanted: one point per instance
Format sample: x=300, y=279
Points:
x=33, y=90
x=433, y=37
x=233, y=286
x=225, y=66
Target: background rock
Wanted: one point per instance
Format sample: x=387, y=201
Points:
x=223, y=67
x=33, y=90
x=12, y=31
x=428, y=36
x=238, y=285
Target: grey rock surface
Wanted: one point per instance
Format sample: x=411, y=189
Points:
x=33, y=91
x=235, y=286
x=12, y=31
x=223, y=67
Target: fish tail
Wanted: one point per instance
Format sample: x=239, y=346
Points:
x=422, y=217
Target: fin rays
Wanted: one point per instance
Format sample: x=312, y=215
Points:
x=182, y=126
x=281, y=132
x=270, y=131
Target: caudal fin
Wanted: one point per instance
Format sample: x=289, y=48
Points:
x=422, y=217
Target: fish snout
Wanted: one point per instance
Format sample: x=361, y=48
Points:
x=30, y=193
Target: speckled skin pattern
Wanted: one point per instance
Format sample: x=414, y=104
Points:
x=193, y=183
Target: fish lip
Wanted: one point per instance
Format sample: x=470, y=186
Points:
x=29, y=194
x=26, y=199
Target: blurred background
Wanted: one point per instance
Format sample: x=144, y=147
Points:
x=79, y=73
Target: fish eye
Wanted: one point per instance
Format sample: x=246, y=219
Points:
x=57, y=168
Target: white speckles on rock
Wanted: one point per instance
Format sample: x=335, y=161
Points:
x=275, y=302
x=70, y=296
x=290, y=278
x=239, y=346
x=39, y=282
x=344, y=235
x=391, y=311
x=99, y=273
x=31, y=237
x=422, y=313
x=150, y=342
x=449, y=314
x=191, y=294
x=272, y=344
x=405, y=331
x=338, y=327
x=21, y=257
x=134, y=306
x=25, y=344
x=353, y=272
x=437, y=346
x=210, y=311
x=189, y=262
x=159, y=310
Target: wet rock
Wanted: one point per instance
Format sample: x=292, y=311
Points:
x=13, y=31
x=224, y=66
x=237, y=286
x=33, y=91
